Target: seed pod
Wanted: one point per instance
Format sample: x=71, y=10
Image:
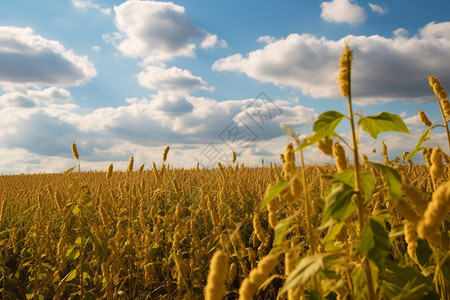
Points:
x=130, y=165
x=110, y=170
x=446, y=107
x=410, y=238
x=166, y=151
x=437, y=167
x=344, y=74
x=436, y=212
x=75, y=151
x=218, y=272
x=424, y=119
x=437, y=87
x=234, y=157
x=232, y=272
x=339, y=156
x=289, y=164
x=385, y=153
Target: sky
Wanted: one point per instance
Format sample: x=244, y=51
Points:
x=123, y=78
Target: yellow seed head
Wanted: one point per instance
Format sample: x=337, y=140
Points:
x=232, y=272
x=166, y=151
x=410, y=238
x=385, y=153
x=344, y=74
x=247, y=290
x=267, y=264
x=340, y=157
x=130, y=165
x=446, y=107
x=141, y=168
x=289, y=165
x=218, y=272
x=435, y=213
x=75, y=151
x=437, y=87
x=110, y=171
x=424, y=119
x=234, y=157
x=437, y=167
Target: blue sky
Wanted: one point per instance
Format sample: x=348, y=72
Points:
x=124, y=78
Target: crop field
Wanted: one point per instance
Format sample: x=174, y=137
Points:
x=359, y=230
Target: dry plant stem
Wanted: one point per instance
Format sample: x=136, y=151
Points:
x=82, y=296
x=366, y=263
x=445, y=121
x=312, y=240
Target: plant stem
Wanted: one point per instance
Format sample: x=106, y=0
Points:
x=366, y=263
x=445, y=121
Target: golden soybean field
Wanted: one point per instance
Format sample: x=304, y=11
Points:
x=364, y=230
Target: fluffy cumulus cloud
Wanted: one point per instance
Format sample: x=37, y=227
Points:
x=29, y=59
x=171, y=79
x=342, y=11
x=211, y=41
x=155, y=31
x=34, y=97
x=384, y=68
x=47, y=128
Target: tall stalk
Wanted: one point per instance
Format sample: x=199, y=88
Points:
x=445, y=121
x=344, y=80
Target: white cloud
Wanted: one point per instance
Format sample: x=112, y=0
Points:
x=211, y=41
x=96, y=48
x=34, y=97
x=173, y=79
x=154, y=31
x=114, y=133
x=378, y=9
x=412, y=121
x=85, y=4
x=399, y=66
x=267, y=39
x=27, y=59
x=342, y=11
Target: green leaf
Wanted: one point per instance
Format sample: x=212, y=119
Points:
x=324, y=127
x=280, y=230
x=423, y=252
x=308, y=267
x=374, y=242
x=71, y=276
x=405, y=283
x=424, y=137
x=382, y=122
x=348, y=177
x=332, y=232
x=274, y=191
x=338, y=204
x=68, y=171
x=327, y=122
x=392, y=179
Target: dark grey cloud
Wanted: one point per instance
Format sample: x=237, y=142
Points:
x=27, y=58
